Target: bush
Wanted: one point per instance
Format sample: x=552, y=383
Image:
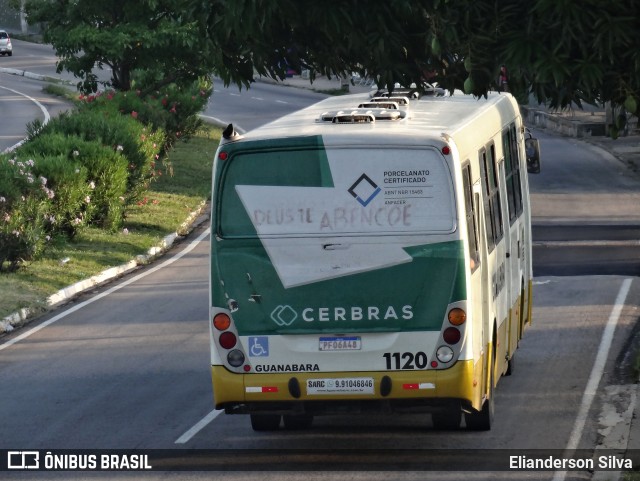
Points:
x=24, y=212
x=71, y=205
x=105, y=185
x=86, y=166
x=139, y=145
x=173, y=109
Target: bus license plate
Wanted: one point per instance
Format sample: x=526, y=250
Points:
x=347, y=385
x=352, y=343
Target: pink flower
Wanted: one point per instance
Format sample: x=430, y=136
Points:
x=134, y=114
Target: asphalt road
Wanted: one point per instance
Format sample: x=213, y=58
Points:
x=262, y=103
x=129, y=370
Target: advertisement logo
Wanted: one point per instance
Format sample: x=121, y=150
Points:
x=284, y=315
x=364, y=190
x=23, y=460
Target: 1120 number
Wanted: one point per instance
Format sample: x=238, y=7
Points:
x=405, y=360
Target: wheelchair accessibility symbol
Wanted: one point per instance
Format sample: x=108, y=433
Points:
x=259, y=346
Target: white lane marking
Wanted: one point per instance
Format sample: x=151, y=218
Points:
x=198, y=426
x=77, y=307
x=282, y=102
x=596, y=375
x=47, y=117
x=257, y=98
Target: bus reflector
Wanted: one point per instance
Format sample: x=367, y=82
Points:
x=409, y=386
x=422, y=385
x=457, y=316
x=223, y=155
x=221, y=321
x=261, y=389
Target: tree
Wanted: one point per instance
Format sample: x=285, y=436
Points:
x=129, y=37
x=559, y=51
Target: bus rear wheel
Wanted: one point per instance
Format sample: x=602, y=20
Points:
x=481, y=420
x=265, y=422
x=447, y=420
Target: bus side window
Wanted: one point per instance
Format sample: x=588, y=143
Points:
x=512, y=172
x=493, y=212
x=472, y=230
x=488, y=213
x=495, y=194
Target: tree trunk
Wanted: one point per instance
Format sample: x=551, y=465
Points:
x=23, y=20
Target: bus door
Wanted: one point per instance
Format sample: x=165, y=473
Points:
x=513, y=163
x=477, y=259
x=492, y=187
x=511, y=266
x=485, y=279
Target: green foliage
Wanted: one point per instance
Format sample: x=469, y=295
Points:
x=92, y=250
x=559, y=51
x=99, y=196
x=160, y=36
x=562, y=52
x=172, y=109
x=71, y=208
x=24, y=213
x=121, y=133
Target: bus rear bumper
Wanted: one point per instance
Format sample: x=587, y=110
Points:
x=393, y=391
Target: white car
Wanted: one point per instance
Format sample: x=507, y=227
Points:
x=5, y=44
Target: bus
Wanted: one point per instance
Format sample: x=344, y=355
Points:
x=371, y=253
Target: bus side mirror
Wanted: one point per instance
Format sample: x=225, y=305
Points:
x=532, y=149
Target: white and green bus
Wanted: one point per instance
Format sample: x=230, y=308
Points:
x=371, y=254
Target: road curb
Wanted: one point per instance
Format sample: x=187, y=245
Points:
x=35, y=76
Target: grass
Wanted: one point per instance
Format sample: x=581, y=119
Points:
x=184, y=185
x=631, y=476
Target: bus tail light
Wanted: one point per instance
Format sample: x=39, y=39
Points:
x=457, y=316
x=221, y=321
x=235, y=358
x=451, y=335
x=228, y=340
x=451, y=343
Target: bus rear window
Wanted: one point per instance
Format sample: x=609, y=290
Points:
x=335, y=192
